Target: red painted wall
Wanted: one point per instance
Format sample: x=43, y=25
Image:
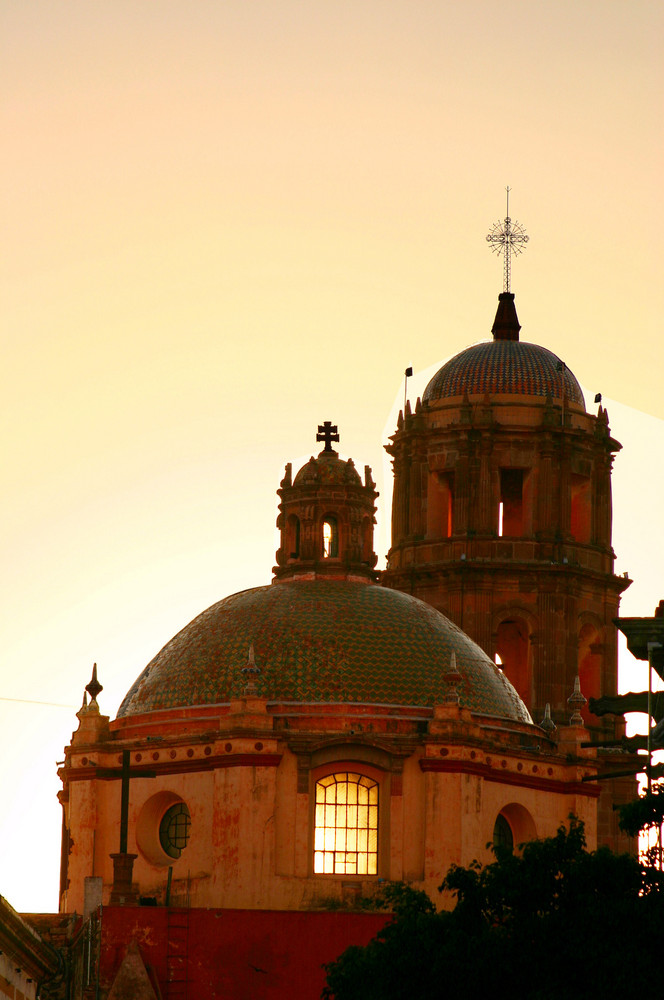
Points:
x=233, y=954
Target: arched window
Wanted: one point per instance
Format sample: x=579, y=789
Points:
x=346, y=825
x=510, y=508
x=292, y=537
x=503, y=838
x=330, y=538
x=367, y=540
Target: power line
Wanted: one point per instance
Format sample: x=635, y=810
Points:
x=28, y=701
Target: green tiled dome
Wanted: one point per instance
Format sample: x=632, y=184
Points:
x=322, y=641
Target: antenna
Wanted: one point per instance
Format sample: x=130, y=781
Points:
x=507, y=238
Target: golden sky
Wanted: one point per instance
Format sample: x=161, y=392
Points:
x=224, y=222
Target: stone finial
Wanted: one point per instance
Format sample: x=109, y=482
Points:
x=251, y=671
x=94, y=687
x=576, y=701
x=547, y=723
x=452, y=679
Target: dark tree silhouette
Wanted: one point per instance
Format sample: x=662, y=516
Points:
x=553, y=921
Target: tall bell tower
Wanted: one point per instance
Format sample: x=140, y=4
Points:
x=501, y=519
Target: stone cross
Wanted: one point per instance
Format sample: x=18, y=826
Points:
x=125, y=773
x=327, y=432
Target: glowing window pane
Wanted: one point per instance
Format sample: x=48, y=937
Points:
x=346, y=833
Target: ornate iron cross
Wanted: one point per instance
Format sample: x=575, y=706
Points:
x=507, y=238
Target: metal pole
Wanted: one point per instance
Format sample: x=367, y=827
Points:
x=650, y=646
x=124, y=802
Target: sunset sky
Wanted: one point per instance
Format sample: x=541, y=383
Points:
x=225, y=222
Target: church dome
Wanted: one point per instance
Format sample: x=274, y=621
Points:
x=505, y=365
x=323, y=641
x=328, y=469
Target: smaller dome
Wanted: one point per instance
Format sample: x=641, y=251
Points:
x=329, y=469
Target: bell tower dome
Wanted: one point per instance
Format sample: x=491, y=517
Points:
x=326, y=518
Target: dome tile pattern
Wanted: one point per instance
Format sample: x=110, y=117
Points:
x=326, y=642
x=505, y=366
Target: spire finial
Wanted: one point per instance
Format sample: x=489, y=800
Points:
x=547, y=723
x=94, y=687
x=507, y=238
x=452, y=678
x=251, y=671
x=576, y=701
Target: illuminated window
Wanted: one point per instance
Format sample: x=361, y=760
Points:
x=330, y=538
x=174, y=830
x=346, y=825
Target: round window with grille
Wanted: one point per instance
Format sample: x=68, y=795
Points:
x=174, y=829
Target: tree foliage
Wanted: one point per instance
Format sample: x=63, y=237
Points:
x=553, y=921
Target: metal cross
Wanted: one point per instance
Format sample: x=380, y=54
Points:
x=327, y=432
x=507, y=238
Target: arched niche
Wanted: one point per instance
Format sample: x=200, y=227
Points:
x=292, y=539
x=520, y=823
x=513, y=646
x=589, y=663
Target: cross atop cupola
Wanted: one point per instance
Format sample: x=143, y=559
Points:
x=328, y=433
